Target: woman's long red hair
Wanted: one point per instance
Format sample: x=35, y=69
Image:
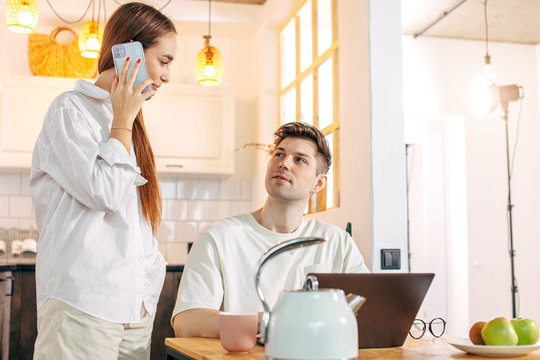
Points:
x=138, y=22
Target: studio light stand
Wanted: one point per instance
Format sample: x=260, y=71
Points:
x=507, y=94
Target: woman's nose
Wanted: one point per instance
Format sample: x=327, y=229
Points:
x=166, y=76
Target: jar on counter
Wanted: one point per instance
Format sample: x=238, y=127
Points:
x=15, y=242
x=4, y=239
x=29, y=244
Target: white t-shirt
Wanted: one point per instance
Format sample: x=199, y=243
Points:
x=96, y=251
x=220, y=270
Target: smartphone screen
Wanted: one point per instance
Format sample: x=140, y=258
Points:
x=134, y=51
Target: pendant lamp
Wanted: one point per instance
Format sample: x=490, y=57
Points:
x=22, y=15
x=91, y=34
x=90, y=39
x=485, y=93
x=209, y=64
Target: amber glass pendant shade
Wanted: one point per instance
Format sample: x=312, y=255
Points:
x=208, y=65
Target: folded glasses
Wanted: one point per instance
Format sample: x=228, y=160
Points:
x=436, y=327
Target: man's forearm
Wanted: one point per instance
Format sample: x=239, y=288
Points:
x=197, y=323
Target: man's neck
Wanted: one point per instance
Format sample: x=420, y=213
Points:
x=281, y=217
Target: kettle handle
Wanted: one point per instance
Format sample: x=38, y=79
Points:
x=271, y=252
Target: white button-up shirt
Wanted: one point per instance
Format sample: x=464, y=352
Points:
x=96, y=252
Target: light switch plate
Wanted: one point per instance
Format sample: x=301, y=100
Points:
x=390, y=259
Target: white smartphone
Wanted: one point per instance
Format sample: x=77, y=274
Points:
x=134, y=51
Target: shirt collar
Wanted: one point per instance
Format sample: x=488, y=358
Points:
x=91, y=90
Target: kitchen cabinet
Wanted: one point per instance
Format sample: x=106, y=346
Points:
x=162, y=322
x=18, y=309
x=24, y=100
x=191, y=128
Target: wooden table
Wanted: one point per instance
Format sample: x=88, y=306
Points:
x=439, y=349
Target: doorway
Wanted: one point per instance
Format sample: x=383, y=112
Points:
x=437, y=203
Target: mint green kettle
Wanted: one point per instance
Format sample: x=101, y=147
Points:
x=309, y=323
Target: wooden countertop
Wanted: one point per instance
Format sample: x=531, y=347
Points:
x=429, y=348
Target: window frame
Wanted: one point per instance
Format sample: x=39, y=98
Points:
x=317, y=203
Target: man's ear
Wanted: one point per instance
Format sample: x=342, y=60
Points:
x=320, y=184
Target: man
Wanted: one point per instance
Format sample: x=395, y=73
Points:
x=219, y=273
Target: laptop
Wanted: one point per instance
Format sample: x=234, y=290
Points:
x=392, y=303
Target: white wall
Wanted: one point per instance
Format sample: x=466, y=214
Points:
x=438, y=75
x=389, y=211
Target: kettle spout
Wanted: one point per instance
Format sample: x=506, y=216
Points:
x=355, y=302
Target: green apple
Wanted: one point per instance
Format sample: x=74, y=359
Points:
x=527, y=331
x=499, y=331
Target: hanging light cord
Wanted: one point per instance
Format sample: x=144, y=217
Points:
x=68, y=21
x=209, y=17
x=486, y=26
x=94, y=9
x=99, y=12
x=161, y=8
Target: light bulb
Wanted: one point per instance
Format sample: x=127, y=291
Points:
x=485, y=93
x=209, y=70
x=92, y=44
x=24, y=18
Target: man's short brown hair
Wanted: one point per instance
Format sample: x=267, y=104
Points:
x=308, y=132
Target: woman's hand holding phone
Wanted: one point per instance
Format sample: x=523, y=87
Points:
x=127, y=100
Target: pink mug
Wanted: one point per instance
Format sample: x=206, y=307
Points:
x=238, y=331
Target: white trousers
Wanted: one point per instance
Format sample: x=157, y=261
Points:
x=67, y=333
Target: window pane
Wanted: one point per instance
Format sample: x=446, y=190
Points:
x=288, y=107
x=326, y=101
x=324, y=28
x=330, y=175
x=306, y=39
x=306, y=100
x=288, y=54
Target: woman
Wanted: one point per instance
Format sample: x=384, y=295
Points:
x=97, y=203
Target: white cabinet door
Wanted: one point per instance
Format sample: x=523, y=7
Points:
x=191, y=129
x=23, y=104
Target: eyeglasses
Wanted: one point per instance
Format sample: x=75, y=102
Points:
x=436, y=328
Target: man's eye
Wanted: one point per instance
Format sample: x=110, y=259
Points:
x=301, y=160
x=278, y=154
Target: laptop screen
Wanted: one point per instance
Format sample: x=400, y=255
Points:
x=392, y=303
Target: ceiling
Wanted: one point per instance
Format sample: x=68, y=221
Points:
x=513, y=21
x=250, y=2
x=224, y=11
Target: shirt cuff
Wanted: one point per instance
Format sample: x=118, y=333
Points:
x=113, y=152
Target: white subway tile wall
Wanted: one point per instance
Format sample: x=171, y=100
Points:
x=189, y=205
x=10, y=184
x=20, y=206
x=4, y=206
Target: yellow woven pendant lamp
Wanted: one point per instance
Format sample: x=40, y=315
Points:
x=90, y=39
x=208, y=64
x=22, y=15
